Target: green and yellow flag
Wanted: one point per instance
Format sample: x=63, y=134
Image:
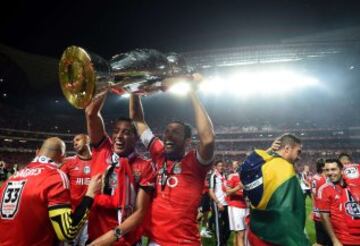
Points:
x=277, y=201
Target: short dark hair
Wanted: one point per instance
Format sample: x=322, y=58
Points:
x=344, y=155
x=320, y=163
x=334, y=160
x=187, y=128
x=127, y=119
x=289, y=139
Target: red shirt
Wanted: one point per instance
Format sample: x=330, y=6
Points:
x=236, y=199
x=174, y=208
x=78, y=172
x=25, y=199
x=351, y=174
x=337, y=201
x=105, y=213
x=316, y=181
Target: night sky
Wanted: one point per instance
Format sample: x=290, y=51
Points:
x=108, y=27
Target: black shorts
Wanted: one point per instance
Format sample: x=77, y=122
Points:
x=321, y=235
x=205, y=203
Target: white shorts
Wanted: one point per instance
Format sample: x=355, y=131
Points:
x=237, y=218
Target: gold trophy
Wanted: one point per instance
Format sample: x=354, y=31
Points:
x=83, y=75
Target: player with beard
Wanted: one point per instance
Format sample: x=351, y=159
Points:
x=78, y=168
x=129, y=180
x=271, y=184
x=339, y=211
x=181, y=175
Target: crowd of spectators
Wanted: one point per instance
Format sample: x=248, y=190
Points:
x=21, y=148
x=21, y=134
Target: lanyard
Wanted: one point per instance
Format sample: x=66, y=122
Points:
x=164, y=174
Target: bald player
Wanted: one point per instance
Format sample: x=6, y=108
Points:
x=35, y=204
x=78, y=169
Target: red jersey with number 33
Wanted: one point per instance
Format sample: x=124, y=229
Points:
x=25, y=199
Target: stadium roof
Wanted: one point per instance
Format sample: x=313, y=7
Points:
x=350, y=34
x=318, y=45
x=42, y=71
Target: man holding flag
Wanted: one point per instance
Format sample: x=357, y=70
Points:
x=277, y=214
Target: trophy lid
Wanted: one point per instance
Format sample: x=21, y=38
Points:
x=77, y=76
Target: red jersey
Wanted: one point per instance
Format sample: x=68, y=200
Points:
x=316, y=182
x=107, y=211
x=25, y=199
x=343, y=209
x=237, y=198
x=78, y=172
x=174, y=207
x=351, y=174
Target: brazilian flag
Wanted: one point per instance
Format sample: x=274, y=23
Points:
x=277, y=202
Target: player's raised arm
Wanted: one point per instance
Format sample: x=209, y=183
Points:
x=205, y=130
x=136, y=113
x=94, y=121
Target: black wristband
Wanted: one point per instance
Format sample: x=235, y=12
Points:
x=80, y=210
